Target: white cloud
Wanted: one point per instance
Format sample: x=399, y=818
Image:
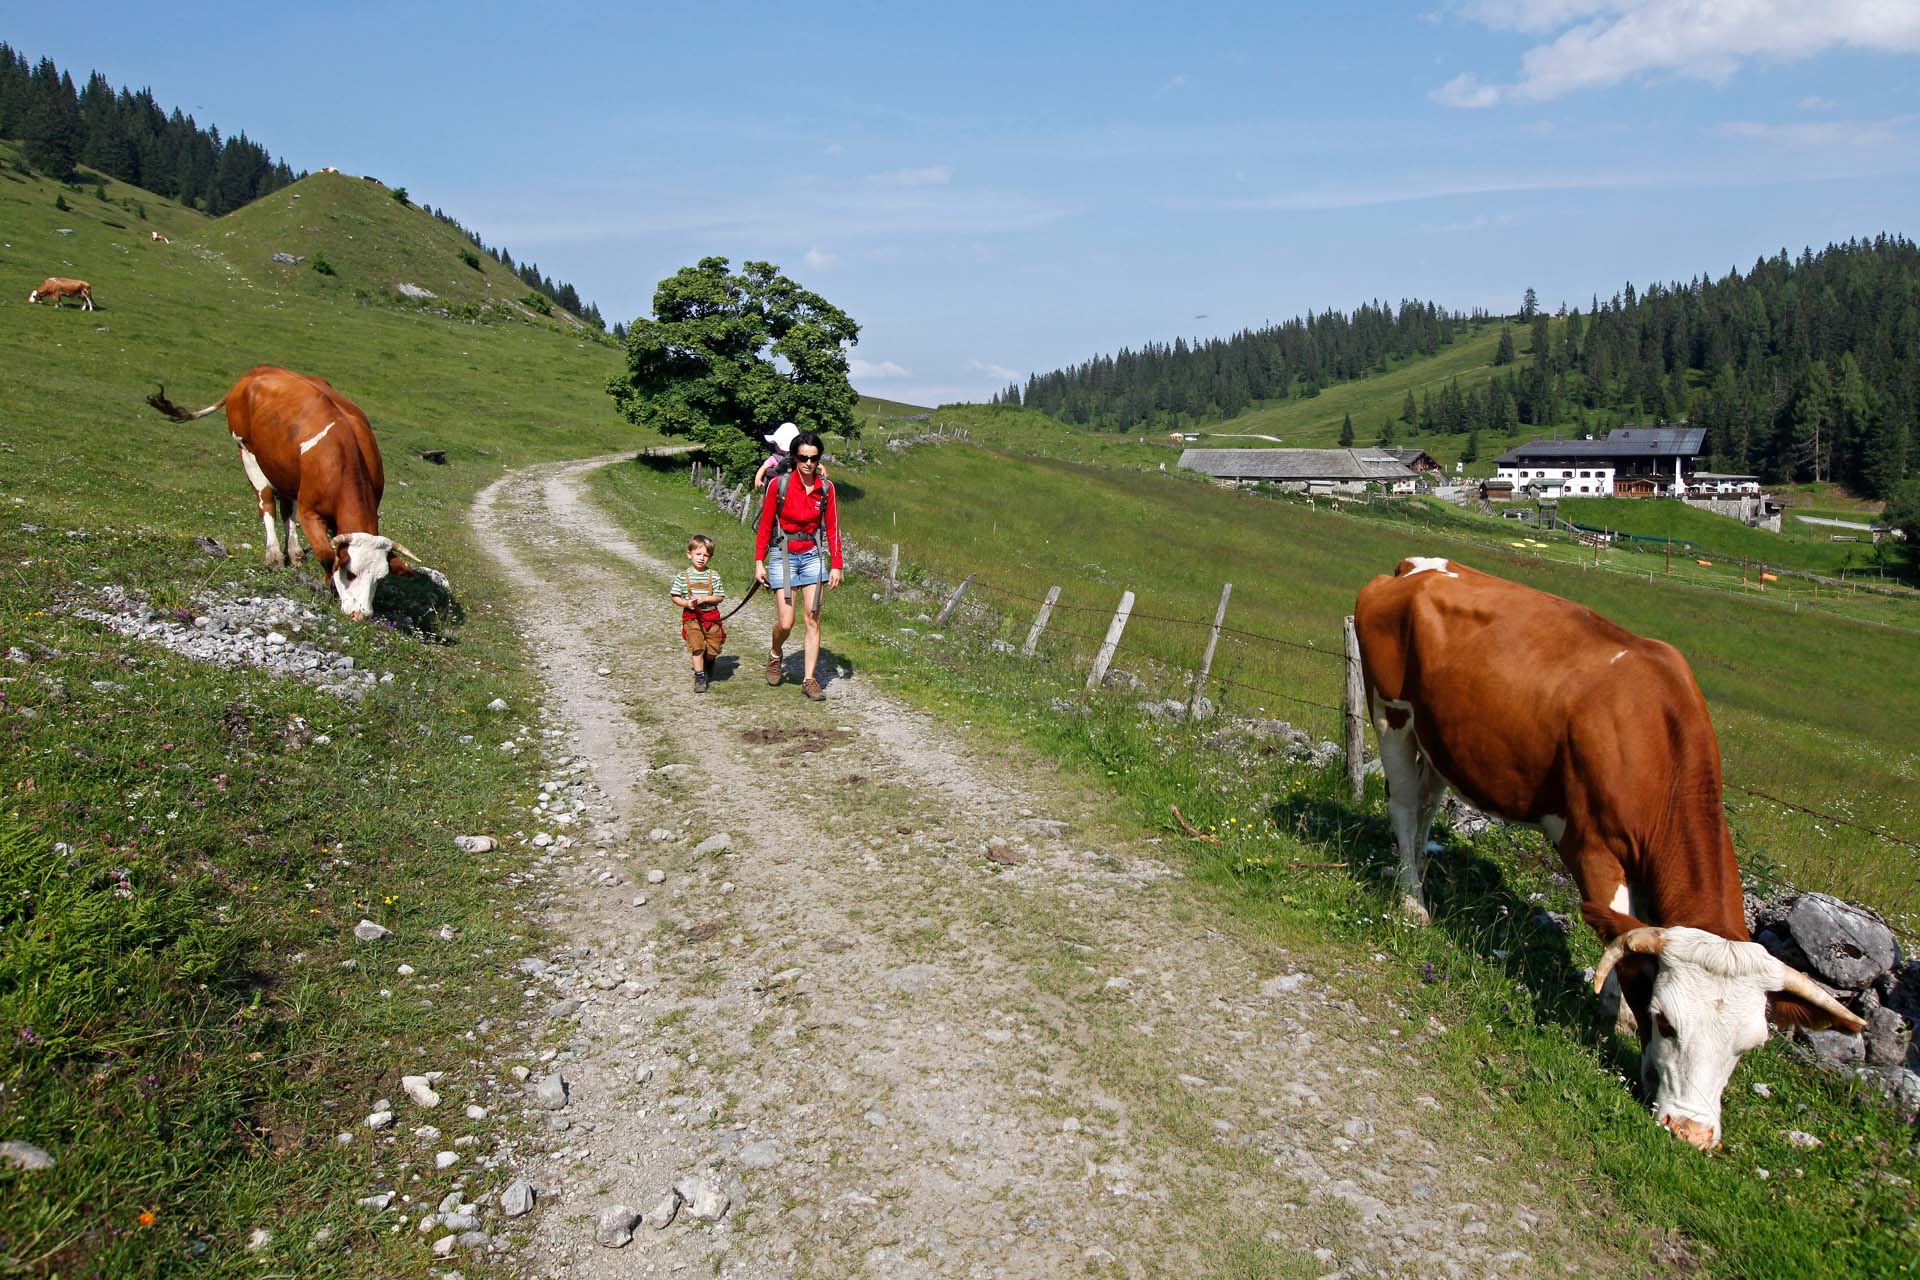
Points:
x=1819, y=133
x=1817, y=104
x=933, y=175
x=1465, y=90
x=999, y=371
x=818, y=261
x=1603, y=42
x=1177, y=82
x=834, y=149
x=874, y=369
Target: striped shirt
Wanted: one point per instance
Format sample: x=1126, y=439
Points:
x=697, y=582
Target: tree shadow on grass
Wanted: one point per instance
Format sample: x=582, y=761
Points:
x=1472, y=905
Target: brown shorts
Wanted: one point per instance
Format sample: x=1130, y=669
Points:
x=703, y=637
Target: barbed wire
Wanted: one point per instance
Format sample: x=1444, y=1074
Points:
x=1834, y=818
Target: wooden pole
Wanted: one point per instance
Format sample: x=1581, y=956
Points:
x=745, y=504
x=893, y=571
x=1356, y=716
x=953, y=601
x=1040, y=622
x=1112, y=642
x=1206, y=663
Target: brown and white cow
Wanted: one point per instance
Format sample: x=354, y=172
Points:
x=309, y=452
x=58, y=287
x=158, y=238
x=1541, y=711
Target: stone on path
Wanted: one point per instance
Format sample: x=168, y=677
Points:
x=656, y=876
x=720, y=843
x=705, y=1202
x=517, y=1199
x=498, y=704
x=475, y=844
x=615, y=1227
x=368, y=931
x=551, y=1092
x=661, y=1216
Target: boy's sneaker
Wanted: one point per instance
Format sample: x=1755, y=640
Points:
x=811, y=688
x=775, y=670
x=699, y=682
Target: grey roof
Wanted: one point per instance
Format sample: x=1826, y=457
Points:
x=1623, y=444
x=1296, y=464
x=1408, y=456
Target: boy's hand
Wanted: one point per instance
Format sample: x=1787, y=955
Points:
x=833, y=577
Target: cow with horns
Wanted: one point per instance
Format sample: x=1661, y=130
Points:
x=1540, y=711
x=58, y=287
x=309, y=456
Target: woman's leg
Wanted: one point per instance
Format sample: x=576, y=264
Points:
x=812, y=634
x=782, y=622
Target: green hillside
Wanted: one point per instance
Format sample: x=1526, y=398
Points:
x=192, y=1046
x=1702, y=533
x=374, y=244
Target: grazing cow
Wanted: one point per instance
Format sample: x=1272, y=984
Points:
x=309, y=451
x=155, y=235
x=58, y=287
x=1541, y=711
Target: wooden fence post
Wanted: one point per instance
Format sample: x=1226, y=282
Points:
x=1112, y=642
x=1356, y=716
x=1206, y=663
x=953, y=601
x=893, y=571
x=1040, y=622
x=746, y=505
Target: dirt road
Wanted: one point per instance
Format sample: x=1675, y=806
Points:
x=924, y=1015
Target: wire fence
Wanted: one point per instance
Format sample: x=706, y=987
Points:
x=1054, y=635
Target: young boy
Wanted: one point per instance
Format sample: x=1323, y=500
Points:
x=697, y=590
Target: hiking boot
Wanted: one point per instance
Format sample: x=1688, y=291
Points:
x=811, y=688
x=699, y=682
x=774, y=669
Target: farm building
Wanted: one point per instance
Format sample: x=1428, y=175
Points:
x=1707, y=483
x=1416, y=459
x=1304, y=470
x=1631, y=462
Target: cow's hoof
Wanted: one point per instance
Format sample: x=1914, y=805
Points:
x=298, y=557
x=271, y=560
x=1414, y=910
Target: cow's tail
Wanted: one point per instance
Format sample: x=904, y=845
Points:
x=159, y=401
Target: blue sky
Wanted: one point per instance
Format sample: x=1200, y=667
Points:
x=994, y=189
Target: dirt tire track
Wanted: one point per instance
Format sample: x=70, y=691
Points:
x=903, y=1057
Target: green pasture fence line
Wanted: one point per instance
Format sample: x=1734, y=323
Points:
x=1350, y=709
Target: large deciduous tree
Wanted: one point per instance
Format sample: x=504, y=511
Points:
x=728, y=356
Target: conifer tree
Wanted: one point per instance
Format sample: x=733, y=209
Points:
x=1346, y=431
x=1503, y=354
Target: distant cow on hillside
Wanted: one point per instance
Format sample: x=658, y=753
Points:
x=309, y=452
x=155, y=235
x=58, y=287
x=1540, y=711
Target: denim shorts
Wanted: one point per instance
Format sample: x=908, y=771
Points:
x=809, y=567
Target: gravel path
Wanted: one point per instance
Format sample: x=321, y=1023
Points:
x=922, y=1015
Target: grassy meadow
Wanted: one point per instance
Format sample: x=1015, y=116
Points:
x=1811, y=706
x=1518, y=1046
x=1796, y=546
x=181, y=1031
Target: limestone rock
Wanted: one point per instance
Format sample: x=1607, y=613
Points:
x=615, y=1226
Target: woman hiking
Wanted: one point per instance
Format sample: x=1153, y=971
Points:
x=800, y=525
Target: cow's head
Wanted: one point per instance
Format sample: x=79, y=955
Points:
x=1709, y=1005
x=33, y=296
x=360, y=560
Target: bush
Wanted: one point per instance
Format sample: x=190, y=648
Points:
x=321, y=264
x=400, y=194
x=539, y=302
x=60, y=203
x=470, y=258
